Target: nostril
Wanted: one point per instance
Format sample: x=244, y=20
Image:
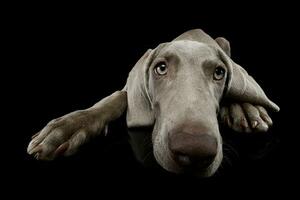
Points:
x=183, y=160
x=196, y=161
x=204, y=161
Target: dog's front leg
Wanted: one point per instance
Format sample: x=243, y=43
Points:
x=245, y=117
x=63, y=136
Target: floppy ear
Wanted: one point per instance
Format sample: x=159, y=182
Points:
x=242, y=87
x=224, y=44
x=139, y=110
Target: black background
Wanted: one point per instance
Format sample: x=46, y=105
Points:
x=62, y=58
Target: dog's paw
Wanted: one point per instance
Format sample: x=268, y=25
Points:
x=63, y=136
x=246, y=117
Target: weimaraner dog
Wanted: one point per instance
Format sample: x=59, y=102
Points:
x=176, y=89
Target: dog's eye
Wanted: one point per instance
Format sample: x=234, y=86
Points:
x=219, y=73
x=161, y=69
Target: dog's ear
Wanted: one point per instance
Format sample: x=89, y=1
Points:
x=242, y=87
x=139, y=110
x=224, y=44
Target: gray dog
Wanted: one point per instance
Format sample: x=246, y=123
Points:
x=176, y=89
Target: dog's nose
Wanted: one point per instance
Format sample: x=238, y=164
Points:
x=197, y=150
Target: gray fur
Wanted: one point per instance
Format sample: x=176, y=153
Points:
x=187, y=99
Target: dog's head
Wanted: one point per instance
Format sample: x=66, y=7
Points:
x=177, y=88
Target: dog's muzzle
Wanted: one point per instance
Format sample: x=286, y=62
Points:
x=193, y=150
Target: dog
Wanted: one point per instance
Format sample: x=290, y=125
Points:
x=177, y=89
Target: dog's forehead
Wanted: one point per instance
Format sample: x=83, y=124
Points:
x=188, y=48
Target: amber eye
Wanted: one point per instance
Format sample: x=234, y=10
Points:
x=219, y=73
x=161, y=68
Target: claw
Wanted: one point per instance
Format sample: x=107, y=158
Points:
x=33, y=144
x=36, y=156
x=61, y=149
x=32, y=137
x=254, y=124
x=38, y=149
x=264, y=115
x=228, y=121
x=263, y=127
x=245, y=126
x=267, y=119
x=244, y=123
